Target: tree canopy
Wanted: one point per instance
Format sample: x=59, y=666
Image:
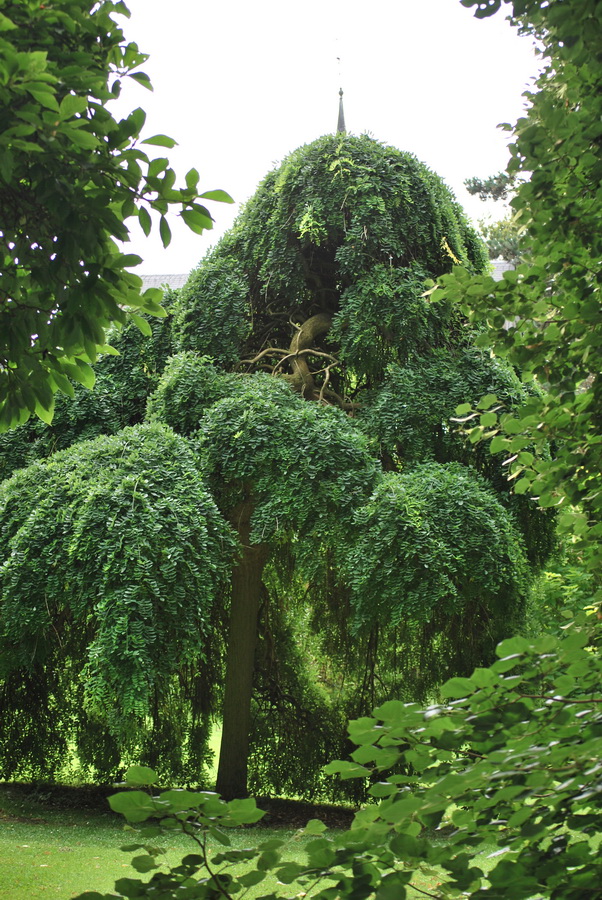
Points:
x=508, y=757
x=71, y=175
x=113, y=551
x=544, y=317
x=314, y=375
x=341, y=236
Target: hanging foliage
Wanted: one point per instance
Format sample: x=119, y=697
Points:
x=322, y=291
x=216, y=330
x=346, y=230
x=437, y=538
x=113, y=553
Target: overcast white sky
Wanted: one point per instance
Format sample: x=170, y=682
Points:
x=240, y=85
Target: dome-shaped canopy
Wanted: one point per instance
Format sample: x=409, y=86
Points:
x=344, y=230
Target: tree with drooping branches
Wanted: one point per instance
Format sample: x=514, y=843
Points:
x=325, y=283
x=321, y=426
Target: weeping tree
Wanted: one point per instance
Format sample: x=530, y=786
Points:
x=314, y=380
x=281, y=470
x=325, y=285
x=113, y=551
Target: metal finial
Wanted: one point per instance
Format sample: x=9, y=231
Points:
x=341, y=123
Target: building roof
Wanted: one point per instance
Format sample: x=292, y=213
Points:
x=341, y=121
x=161, y=281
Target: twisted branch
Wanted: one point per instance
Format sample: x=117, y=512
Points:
x=302, y=378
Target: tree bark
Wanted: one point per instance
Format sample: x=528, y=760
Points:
x=305, y=337
x=240, y=658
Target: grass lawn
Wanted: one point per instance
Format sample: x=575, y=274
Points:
x=47, y=851
x=59, y=859
x=62, y=860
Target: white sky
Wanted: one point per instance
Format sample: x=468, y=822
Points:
x=240, y=85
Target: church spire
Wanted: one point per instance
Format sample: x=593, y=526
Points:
x=341, y=123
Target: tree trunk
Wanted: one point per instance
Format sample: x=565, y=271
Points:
x=240, y=658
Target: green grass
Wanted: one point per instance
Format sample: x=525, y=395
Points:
x=59, y=853
x=59, y=860
x=63, y=861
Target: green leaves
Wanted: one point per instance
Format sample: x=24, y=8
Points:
x=136, y=806
x=308, y=466
x=220, y=196
x=197, y=218
x=72, y=104
x=160, y=140
x=128, y=259
x=140, y=775
x=6, y=24
x=244, y=812
x=430, y=541
x=199, y=815
x=64, y=156
x=521, y=766
x=218, y=328
x=132, y=553
x=487, y=401
x=457, y=687
x=80, y=371
x=346, y=769
x=142, y=324
x=314, y=826
x=164, y=231
x=369, y=219
x=540, y=316
x=145, y=220
x=506, y=766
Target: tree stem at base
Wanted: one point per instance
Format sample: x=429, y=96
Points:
x=240, y=660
